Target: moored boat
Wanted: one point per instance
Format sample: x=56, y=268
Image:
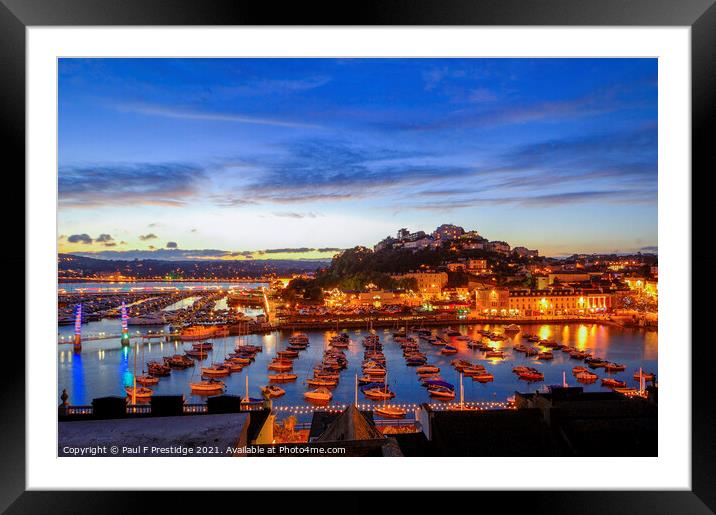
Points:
x=610, y=382
x=595, y=362
x=280, y=365
x=179, y=361
x=318, y=395
x=282, y=378
x=614, y=367
x=216, y=370
x=233, y=365
x=388, y=411
x=427, y=369
x=207, y=386
x=154, y=368
x=485, y=377
x=274, y=391
x=473, y=371
x=326, y=383
x=441, y=392
x=139, y=392
x=579, y=354
x=586, y=377
x=377, y=392
x=531, y=375
x=147, y=380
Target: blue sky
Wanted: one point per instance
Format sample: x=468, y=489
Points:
x=233, y=157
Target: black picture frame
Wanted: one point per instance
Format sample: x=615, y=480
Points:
x=699, y=15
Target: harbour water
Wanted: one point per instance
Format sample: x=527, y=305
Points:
x=105, y=367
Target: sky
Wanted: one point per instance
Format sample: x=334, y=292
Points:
x=298, y=158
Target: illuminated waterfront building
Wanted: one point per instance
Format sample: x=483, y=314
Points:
x=643, y=285
x=504, y=302
x=379, y=298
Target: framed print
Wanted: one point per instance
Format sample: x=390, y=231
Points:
x=416, y=249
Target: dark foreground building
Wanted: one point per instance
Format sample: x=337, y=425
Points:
x=562, y=422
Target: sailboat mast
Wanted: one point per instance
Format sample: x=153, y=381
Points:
x=462, y=393
x=355, y=398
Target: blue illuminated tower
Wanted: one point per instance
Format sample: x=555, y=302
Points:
x=78, y=328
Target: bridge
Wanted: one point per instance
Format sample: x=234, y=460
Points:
x=166, y=336
x=172, y=286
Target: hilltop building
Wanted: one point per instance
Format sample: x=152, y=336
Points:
x=525, y=252
x=430, y=283
x=447, y=232
x=500, y=247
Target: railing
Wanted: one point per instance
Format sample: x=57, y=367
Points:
x=201, y=408
x=138, y=409
x=195, y=408
x=79, y=410
x=378, y=422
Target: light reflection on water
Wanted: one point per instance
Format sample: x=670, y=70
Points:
x=86, y=377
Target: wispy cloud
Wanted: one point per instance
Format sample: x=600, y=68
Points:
x=486, y=113
x=296, y=215
x=537, y=201
x=266, y=86
x=163, y=184
x=332, y=170
x=187, y=114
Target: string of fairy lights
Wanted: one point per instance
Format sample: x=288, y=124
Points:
x=451, y=406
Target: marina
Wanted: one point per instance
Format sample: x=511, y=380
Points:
x=105, y=367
